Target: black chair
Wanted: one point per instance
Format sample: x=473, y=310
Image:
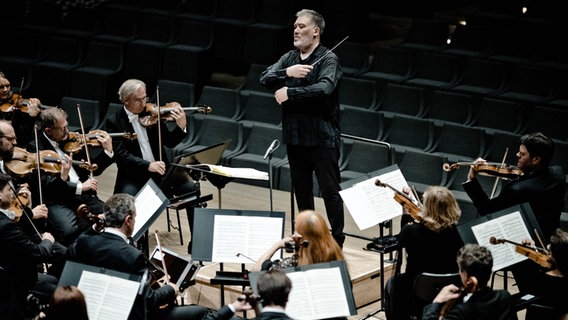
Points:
x=548, y=120
x=252, y=80
x=189, y=58
x=269, y=31
x=98, y=77
x=198, y=10
x=516, y=43
x=458, y=142
x=448, y=106
x=497, y=114
x=117, y=25
x=80, y=23
x=471, y=41
x=530, y=84
x=260, y=108
x=405, y=132
x=354, y=58
x=181, y=92
x=225, y=102
x=428, y=285
x=90, y=113
x=402, y=99
x=481, y=77
x=16, y=63
x=389, y=65
x=362, y=157
x=111, y=109
x=360, y=122
x=426, y=35
x=163, y=7
x=251, y=155
x=500, y=143
x=422, y=169
x=367, y=94
x=432, y=70
x=51, y=74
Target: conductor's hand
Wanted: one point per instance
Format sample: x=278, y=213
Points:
x=158, y=167
x=298, y=70
x=281, y=95
x=472, y=171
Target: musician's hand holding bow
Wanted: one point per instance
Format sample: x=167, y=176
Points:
x=90, y=184
x=158, y=167
x=40, y=212
x=448, y=293
x=33, y=107
x=472, y=169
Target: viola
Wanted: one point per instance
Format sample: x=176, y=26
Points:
x=537, y=255
x=23, y=163
x=76, y=142
x=17, y=102
x=407, y=202
x=83, y=212
x=18, y=206
x=504, y=171
x=149, y=116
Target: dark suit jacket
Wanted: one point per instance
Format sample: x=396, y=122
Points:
x=57, y=190
x=18, y=262
x=542, y=189
x=225, y=313
x=109, y=251
x=487, y=304
x=132, y=167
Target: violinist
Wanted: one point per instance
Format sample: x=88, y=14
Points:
x=10, y=102
x=111, y=249
x=475, y=300
x=66, y=192
x=144, y=158
x=21, y=254
x=551, y=285
x=429, y=246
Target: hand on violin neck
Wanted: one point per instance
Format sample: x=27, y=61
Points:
x=473, y=168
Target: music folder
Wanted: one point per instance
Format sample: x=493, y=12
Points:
x=182, y=271
x=150, y=203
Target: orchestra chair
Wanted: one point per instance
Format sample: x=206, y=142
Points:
x=427, y=285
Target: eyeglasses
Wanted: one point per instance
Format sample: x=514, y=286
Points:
x=9, y=138
x=61, y=129
x=145, y=99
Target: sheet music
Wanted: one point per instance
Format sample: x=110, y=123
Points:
x=107, y=297
x=250, y=235
x=370, y=205
x=317, y=294
x=244, y=173
x=147, y=203
x=511, y=227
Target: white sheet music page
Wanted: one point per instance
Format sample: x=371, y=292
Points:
x=107, y=297
x=369, y=204
x=147, y=202
x=317, y=294
x=251, y=236
x=511, y=227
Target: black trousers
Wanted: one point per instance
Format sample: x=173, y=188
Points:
x=304, y=161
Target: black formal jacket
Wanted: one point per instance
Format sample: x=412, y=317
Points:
x=132, y=168
x=542, y=189
x=485, y=304
x=18, y=265
x=110, y=251
x=56, y=190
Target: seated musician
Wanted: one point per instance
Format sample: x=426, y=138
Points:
x=431, y=245
x=475, y=300
x=145, y=157
x=20, y=112
x=65, y=193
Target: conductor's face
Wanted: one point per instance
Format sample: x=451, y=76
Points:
x=305, y=32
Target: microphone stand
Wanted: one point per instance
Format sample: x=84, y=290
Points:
x=270, y=179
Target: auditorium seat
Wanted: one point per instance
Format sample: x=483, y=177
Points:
x=402, y=99
x=260, y=108
x=422, y=169
x=516, y=43
x=459, y=142
x=366, y=92
x=16, y=63
x=481, y=77
x=99, y=76
x=502, y=145
x=252, y=80
x=198, y=10
x=470, y=41
x=432, y=70
x=360, y=122
x=405, y=132
x=389, y=65
x=362, y=157
x=225, y=102
x=181, y=92
x=90, y=113
x=448, y=106
x=426, y=35
x=80, y=22
x=117, y=25
x=162, y=7
x=189, y=59
x=530, y=84
x=259, y=138
x=498, y=114
x=548, y=120
x=354, y=58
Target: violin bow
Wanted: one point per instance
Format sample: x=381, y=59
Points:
x=159, y=120
x=497, y=178
x=85, y=140
x=36, y=128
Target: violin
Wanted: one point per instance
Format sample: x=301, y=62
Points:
x=540, y=256
x=16, y=102
x=407, y=202
x=504, y=171
x=150, y=116
x=18, y=205
x=24, y=163
x=84, y=212
x=75, y=142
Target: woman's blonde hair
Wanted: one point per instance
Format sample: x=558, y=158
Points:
x=440, y=209
x=321, y=246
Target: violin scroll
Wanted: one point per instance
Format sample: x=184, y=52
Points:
x=504, y=171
